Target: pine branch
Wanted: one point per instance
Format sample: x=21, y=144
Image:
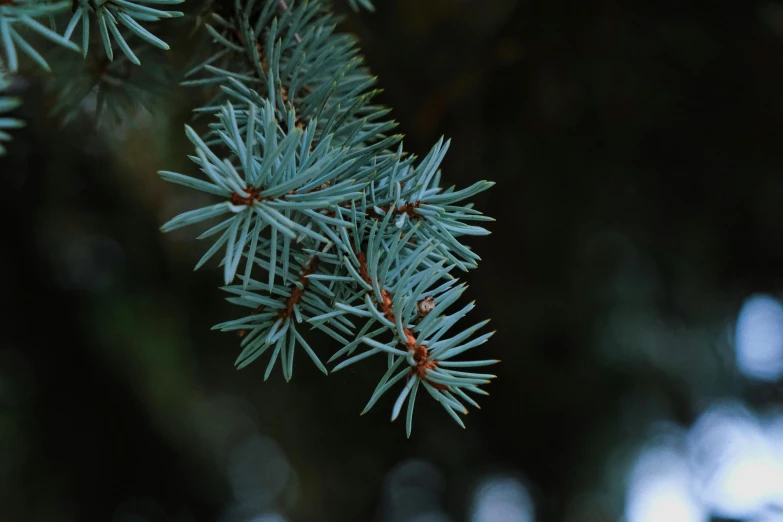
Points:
x=321, y=222
x=118, y=22
x=349, y=234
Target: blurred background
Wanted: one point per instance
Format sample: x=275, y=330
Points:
x=634, y=277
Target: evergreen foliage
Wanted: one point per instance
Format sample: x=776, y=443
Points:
x=7, y=103
x=320, y=220
x=17, y=16
x=110, y=14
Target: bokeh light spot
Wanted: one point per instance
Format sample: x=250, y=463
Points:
x=759, y=338
x=502, y=499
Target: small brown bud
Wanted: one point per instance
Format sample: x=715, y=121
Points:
x=425, y=306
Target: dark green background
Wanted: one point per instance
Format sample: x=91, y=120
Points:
x=636, y=150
